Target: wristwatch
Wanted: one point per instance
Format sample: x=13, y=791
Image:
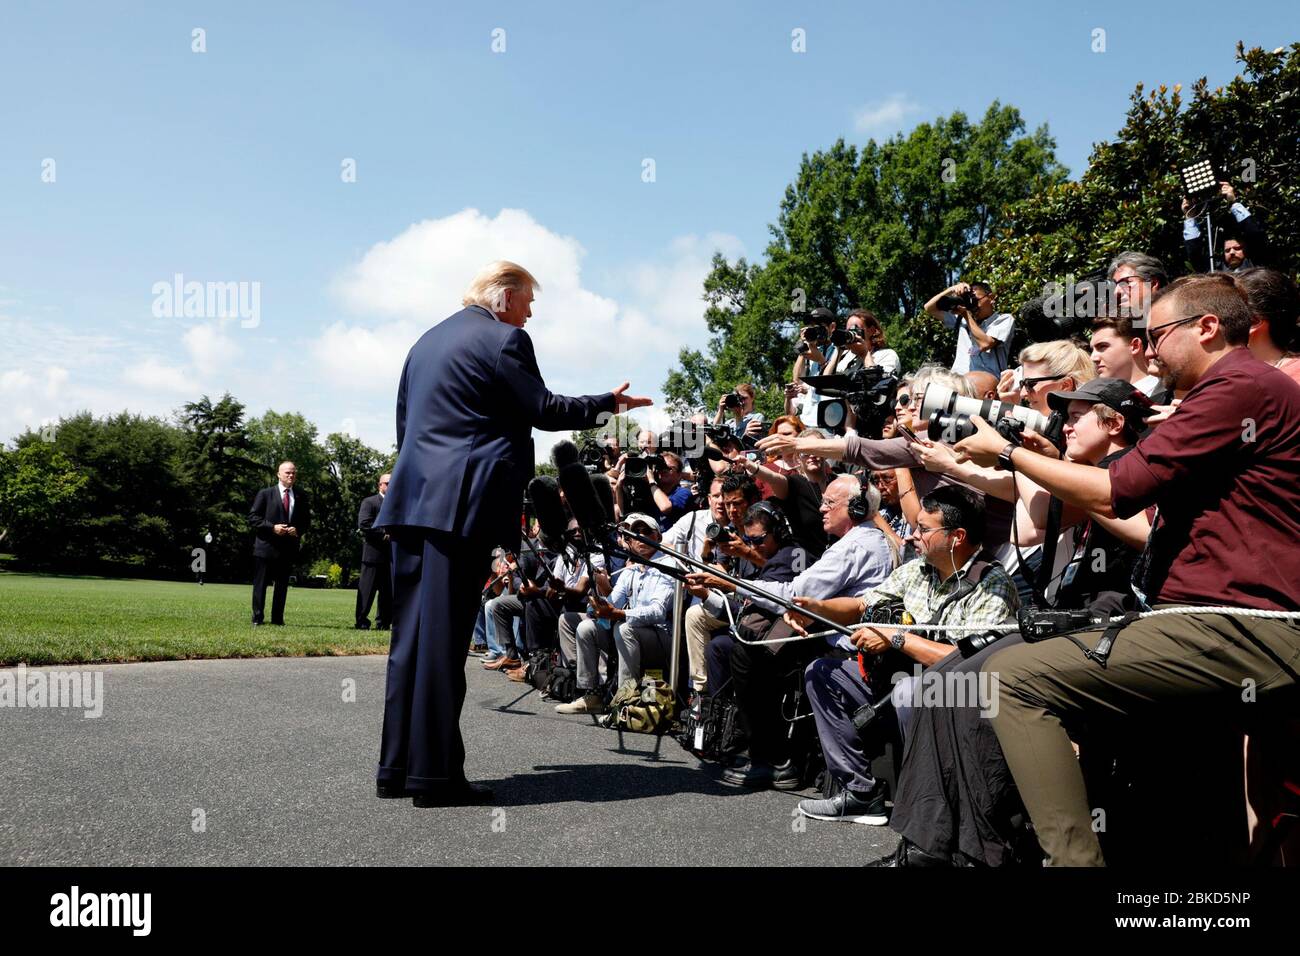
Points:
x=1004, y=457
x=897, y=639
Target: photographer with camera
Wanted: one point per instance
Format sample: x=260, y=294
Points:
x=983, y=333
x=639, y=609
x=904, y=452
x=864, y=345
x=1244, y=245
x=816, y=353
x=767, y=531
x=952, y=581
x=858, y=560
x=739, y=403
x=1214, y=482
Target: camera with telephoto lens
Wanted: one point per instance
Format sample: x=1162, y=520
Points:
x=809, y=337
x=972, y=644
x=967, y=300
x=842, y=337
x=717, y=533
x=949, y=417
x=639, y=465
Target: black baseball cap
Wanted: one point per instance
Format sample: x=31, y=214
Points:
x=1114, y=393
x=822, y=316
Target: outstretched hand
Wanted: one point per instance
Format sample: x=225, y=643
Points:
x=625, y=403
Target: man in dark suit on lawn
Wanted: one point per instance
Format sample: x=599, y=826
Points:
x=279, y=518
x=376, y=563
x=469, y=397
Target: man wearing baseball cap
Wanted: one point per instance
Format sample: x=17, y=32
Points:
x=639, y=610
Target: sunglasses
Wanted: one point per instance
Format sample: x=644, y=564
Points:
x=755, y=539
x=1028, y=384
x=902, y=401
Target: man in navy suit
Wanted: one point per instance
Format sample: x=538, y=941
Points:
x=279, y=517
x=376, y=563
x=469, y=397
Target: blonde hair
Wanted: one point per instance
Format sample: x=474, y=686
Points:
x=489, y=286
x=1062, y=357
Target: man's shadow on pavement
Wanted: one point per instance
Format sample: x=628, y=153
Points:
x=607, y=783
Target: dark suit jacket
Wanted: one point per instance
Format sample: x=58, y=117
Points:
x=469, y=397
x=267, y=512
x=374, y=549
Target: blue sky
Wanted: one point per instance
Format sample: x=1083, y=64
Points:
x=225, y=166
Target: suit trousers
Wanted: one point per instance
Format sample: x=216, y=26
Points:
x=275, y=570
x=437, y=579
x=375, y=579
x=1196, y=664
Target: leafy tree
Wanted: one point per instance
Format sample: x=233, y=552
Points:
x=350, y=473
x=134, y=513
x=222, y=478
x=1129, y=196
x=883, y=227
x=39, y=490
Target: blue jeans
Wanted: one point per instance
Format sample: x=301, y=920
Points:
x=485, y=632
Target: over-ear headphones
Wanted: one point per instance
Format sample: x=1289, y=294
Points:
x=780, y=523
x=859, y=507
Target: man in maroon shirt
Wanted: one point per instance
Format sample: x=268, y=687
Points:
x=1223, y=475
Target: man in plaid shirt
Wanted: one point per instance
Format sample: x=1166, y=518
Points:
x=951, y=583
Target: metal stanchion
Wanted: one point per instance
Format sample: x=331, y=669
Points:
x=679, y=618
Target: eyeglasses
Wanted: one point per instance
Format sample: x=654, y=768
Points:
x=1029, y=384
x=922, y=530
x=902, y=401
x=755, y=539
x=1155, y=339
x=830, y=504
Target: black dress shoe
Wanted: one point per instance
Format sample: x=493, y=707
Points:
x=454, y=795
x=391, y=791
x=750, y=774
x=786, y=776
x=909, y=854
x=363, y=627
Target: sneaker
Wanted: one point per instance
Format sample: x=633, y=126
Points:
x=849, y=807
x=589, y=703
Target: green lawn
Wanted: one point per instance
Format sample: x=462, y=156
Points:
x=49, y=620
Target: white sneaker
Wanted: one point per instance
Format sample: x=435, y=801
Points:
x=588, y=704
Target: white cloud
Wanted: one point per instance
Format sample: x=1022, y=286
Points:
x=885, y=116
x=586, y=342
x=153, y=375
x=210, y=348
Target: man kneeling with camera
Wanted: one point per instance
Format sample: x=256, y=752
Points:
x=951, y=583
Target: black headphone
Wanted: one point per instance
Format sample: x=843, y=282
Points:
x=859, y=505
x=784, y=533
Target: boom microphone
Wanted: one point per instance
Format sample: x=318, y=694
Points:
x=565, y=453
x=544, y=493
x=581, y=494
x=605, y=493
